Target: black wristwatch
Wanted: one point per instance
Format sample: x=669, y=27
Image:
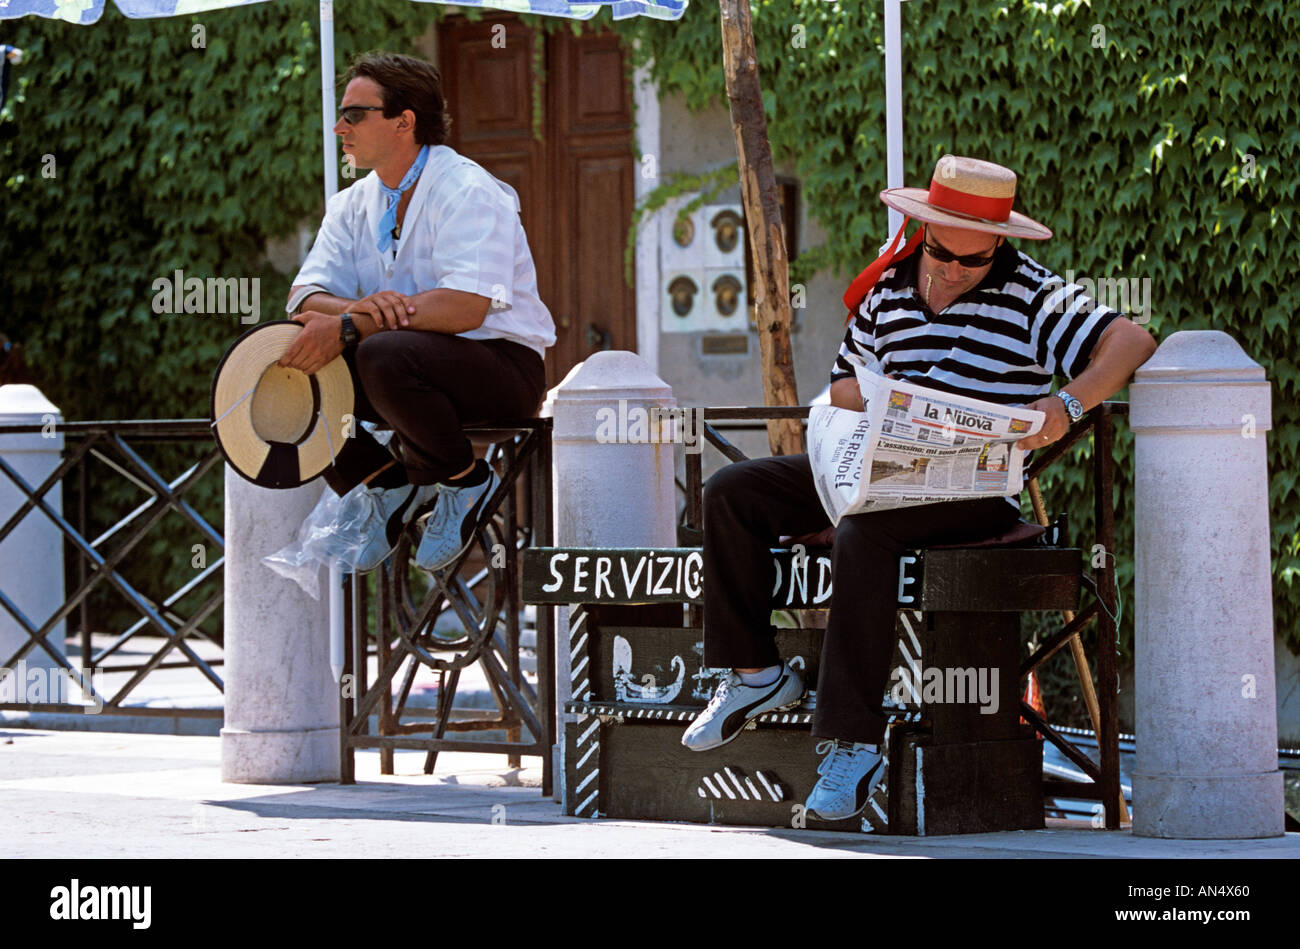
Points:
x=348, y=334
x=1073, y=407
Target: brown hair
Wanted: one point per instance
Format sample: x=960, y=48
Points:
x=408, y=83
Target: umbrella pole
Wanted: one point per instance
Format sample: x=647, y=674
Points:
x=893, y=108
x=329, y=146
x=763, y=222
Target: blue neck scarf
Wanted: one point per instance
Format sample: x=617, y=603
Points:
x=392, y=196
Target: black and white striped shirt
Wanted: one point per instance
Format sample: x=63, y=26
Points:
x=1001, y=341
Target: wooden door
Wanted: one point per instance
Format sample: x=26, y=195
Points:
x=572, y=164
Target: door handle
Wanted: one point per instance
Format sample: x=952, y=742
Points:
x=597, y=338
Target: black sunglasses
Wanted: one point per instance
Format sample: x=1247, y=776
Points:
x=944, y=256
x=355, y=113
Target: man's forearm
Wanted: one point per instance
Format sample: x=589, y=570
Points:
x=1118, y=355
x=441, y=311
x=323, y=303
x=448, y=311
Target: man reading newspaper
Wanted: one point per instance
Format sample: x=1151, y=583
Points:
x=966, y=314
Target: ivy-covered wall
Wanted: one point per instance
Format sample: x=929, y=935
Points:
x=1158, y=141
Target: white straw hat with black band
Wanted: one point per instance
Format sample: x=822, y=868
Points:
x=278, y=427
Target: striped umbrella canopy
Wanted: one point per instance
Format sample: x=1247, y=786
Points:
x=89, y=11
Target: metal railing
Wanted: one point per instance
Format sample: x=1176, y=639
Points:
x=110, y=442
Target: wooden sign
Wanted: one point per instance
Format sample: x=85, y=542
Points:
x=661, y=575
x=985, y=579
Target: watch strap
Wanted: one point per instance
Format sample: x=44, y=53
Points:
x=348, y=333
x=1073, y=407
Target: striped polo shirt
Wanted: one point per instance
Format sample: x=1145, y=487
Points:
x=1001, y=341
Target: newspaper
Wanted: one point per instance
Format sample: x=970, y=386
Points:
x=913, y=445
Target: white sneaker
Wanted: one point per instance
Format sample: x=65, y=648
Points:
x=450, y=528
x=735, y=704
x=374, y=518
x=849, y=773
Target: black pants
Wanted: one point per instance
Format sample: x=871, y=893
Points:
x=425, y=386
x=747, y=507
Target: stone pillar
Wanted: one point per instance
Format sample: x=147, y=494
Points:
x=282, y=704
x=1206, y=712
x=612, y=477
x=31, y=557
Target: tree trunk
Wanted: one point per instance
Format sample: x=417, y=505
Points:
x=759, y=194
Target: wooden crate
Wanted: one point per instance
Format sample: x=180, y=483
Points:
x=950, y=768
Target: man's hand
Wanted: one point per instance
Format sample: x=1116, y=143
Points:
x=317, y=345
x=388, y=308
x=1055, y=425
x=845, y=394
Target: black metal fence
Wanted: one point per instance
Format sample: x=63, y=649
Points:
x=158, y=629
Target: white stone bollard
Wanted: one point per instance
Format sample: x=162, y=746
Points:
x=281, y=701
x=1206, y=712
x=31, y=557
x=609, y=491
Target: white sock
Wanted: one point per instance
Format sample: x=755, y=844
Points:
x=761, y=678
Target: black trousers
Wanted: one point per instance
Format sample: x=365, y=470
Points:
x=747, y=507
x=426, y=386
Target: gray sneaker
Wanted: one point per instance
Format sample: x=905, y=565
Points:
x=735, y=704
x=450, y=528
x=379, y=515
x=849, y=774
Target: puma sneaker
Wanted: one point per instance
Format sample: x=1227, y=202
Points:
x=734, y=704
x=378, y=515
x=849, y=773
x=450, y=528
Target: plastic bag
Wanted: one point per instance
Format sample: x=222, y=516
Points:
x=330, y=534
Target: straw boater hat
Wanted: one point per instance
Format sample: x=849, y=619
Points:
x=969, y=193
x=278, y=427
x=964, y=192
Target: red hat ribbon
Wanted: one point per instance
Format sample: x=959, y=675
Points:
x=973, y=205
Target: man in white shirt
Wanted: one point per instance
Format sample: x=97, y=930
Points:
x=421, y=278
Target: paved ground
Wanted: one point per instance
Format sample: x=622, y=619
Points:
x=81, y=794
x=186, y=688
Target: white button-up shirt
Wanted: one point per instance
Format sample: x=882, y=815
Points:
x=461, y=232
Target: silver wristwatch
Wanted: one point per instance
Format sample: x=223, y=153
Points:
x=1073, y=407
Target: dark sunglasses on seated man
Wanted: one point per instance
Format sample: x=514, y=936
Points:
x=355, y=113
x=943, y=255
